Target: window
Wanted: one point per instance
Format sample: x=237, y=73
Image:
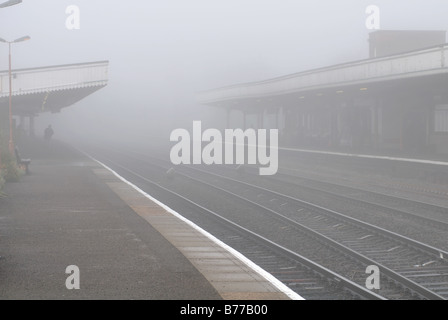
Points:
x=441, y=118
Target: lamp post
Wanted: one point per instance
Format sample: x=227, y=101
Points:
x=10, y=3
x=4, y=5
x=11, y=143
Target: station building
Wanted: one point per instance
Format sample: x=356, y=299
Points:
x=394, y=101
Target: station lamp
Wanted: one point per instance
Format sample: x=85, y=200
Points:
x=25, y=38
x=4, y=5
x=10, y=3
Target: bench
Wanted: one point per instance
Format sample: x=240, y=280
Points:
x=22, y=162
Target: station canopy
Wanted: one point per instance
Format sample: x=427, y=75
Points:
x=50, y=89
x=427, y=67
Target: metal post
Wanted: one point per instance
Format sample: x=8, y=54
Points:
x=11, y=146
x=11, y=143
x=244, y=119
x=32, y=126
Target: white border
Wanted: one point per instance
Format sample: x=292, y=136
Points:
x=270, y=278
x=440, y=163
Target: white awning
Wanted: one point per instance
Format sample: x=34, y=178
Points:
x=52, y=88
x=426, y=62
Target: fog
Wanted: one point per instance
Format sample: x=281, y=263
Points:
x=162, y=53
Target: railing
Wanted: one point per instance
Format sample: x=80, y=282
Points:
x=27, y=81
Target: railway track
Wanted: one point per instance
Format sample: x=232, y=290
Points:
x=380, y=182
x=424, y=222
x=393, y=252
x=309, y=279
x=426, y=213
x=422, y=263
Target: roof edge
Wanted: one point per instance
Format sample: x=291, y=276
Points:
x=58, y=66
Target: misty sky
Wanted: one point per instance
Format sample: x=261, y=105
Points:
x=162, y=52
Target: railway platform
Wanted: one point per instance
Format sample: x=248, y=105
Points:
x=71, y=211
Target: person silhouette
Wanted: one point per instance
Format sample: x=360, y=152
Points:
x=48, y=133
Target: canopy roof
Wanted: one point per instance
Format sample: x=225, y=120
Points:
x=49, y=89
x=429, y=63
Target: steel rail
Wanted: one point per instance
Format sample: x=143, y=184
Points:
x=391, y=274
x=331, y=276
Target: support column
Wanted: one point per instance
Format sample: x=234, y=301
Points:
x=228, y=111
x=333, y=140
x=260, y=121
x=380, y=123
x=265, y=118
x=32, y=133
x=4, y=124
x=276, y=119
x=244, y=120
x=351, y=122
x=401, y=118
x=22, y=123
x=377, y=122
x=374, y=123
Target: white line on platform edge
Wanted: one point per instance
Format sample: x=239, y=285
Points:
x=355, y=155
x=270, y=278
